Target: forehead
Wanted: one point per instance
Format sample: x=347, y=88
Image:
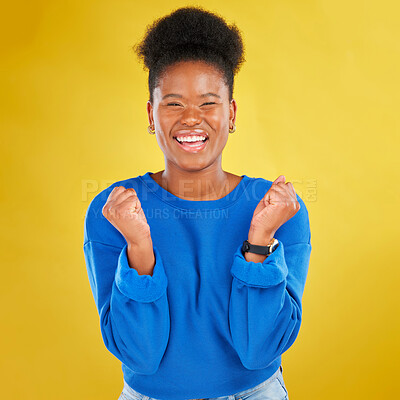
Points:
x=191, y=78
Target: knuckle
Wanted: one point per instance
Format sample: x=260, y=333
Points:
x=131, y=192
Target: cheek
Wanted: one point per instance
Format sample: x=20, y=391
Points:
x=218, y=118
x=162, y=118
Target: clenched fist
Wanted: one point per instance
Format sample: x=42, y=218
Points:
x=277, y=206
x=123, y=209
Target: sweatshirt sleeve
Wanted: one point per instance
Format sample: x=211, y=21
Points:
x=133, y=308
x=265, y=307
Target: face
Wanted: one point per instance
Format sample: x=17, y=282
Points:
x=192, y=97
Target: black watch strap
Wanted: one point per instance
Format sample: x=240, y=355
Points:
x=263, y=250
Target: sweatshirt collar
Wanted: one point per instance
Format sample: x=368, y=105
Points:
x=169, y=198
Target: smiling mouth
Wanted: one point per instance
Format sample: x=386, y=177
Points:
x=193, y=147
x=197, y=143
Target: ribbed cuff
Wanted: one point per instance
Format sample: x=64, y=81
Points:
x=143, y=288
x=271, y=272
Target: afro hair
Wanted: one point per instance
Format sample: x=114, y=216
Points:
x=189, y=34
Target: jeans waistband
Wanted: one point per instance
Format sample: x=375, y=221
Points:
x=270, y=379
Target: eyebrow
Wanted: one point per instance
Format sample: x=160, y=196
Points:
x=180, y=96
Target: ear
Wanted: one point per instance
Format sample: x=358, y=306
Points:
x=149, y=107
x=232, y=111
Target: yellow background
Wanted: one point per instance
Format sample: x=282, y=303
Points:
x=318, y=101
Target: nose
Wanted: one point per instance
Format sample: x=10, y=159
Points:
x=191, y=116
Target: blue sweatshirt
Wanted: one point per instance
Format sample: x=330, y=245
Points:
x=207, y=323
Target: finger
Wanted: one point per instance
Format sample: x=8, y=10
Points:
x=280, y=187
x=114, y=193
x=291, y=188
x=280, y=178
x=290, y=191
x=278, y=194
x=131, y=205
x=275, y=195
x=110, y=200
x=288, y=188
x=122, y=196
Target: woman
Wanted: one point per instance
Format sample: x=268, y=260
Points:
x=197, y=273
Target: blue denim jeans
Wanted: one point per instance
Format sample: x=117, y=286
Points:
x=271, y=389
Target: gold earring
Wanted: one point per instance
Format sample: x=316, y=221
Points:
x=233, y=129
x=150, y=131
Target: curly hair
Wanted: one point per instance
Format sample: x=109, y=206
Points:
x=190, y=34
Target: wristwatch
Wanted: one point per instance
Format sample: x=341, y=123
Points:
x=264, y=250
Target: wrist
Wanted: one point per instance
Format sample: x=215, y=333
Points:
x=260, y=238
x=143, y=243
x=141, y=257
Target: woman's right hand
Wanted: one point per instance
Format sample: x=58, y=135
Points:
x=124, y=211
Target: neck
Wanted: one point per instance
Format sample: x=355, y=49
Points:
x=206, y=184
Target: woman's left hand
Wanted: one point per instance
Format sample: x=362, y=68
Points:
x=277, y=206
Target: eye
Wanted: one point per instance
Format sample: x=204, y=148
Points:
x=173, y=104
x=208, y=103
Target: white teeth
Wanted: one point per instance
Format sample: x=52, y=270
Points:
x=190, y=139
